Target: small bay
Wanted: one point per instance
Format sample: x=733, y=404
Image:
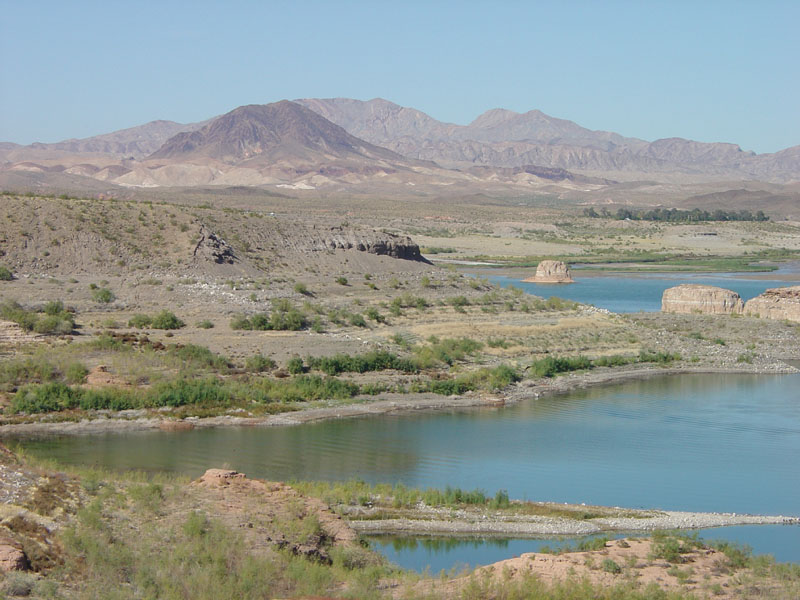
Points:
x=627, y=293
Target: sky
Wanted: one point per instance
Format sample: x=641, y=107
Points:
x=713, y=71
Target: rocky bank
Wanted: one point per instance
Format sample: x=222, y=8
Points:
x=776, y=303
x=702, y=299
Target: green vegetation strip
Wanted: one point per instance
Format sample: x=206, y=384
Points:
x=627, y=260
x=554, y=365
x=52, y=319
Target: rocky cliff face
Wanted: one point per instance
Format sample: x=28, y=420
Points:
x=551, y=271
x=776, y=303
x=372, y=242
x=704, y=299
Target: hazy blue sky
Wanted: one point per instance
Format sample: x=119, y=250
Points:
x=711, y=71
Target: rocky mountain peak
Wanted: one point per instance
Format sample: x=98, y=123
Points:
x=257, y=130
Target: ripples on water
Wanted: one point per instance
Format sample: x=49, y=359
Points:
x=721, y=443
x=709, y=443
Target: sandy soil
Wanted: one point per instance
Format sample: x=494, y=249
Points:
x=704, y=572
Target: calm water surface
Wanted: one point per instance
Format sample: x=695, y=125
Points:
x=727, y=443
x=437, y=554
x=634, y=292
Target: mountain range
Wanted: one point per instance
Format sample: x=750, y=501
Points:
x=317, y=143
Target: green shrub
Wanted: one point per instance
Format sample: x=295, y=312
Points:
x=672, y=546
x=260, y=322
x=295, y=365
x=205, y=324
x=356, y=320
x=658, y=357
x=13, y=311
x=341, y=280
x=57, y=321
x=55, y=325
x=240, y=322
x=551, y=365
x=199, y=356
x=75, y=373
x=103, y=295
x=54, y=308
x=372, y=313
x=46, y=397
x=167, y=320
x=376, y=360
x=609, y=566
x=317, y=326
x=203, y=392
x=446, y=351
x=28, y=370
x=592, y=544
x=615, y=360
x=287, y=320
x=501, y=500
x=301, y=288
x=5, y=274
x=259, y=363
x=458, y=302
x=140, y=321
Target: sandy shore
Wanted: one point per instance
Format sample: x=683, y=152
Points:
x=142, y=420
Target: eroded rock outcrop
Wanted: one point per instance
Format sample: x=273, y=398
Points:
x=551, y=271
x=260, y=508
x=703, y=299
x=776, y=303
x=12, y=557
x=213, y=248
x=372, y=242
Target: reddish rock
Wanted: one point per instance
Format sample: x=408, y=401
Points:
x=12, y=557
x=219, y=477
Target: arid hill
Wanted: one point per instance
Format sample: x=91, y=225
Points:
x=58, y=236
x=271, y=132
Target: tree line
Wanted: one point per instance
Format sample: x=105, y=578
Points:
x=676, y=215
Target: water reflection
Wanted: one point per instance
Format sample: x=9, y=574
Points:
x=437, y=554
x=710, y=443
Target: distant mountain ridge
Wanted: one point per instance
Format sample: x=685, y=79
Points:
x=318, y=142
x=134, y=142
x=503, y=138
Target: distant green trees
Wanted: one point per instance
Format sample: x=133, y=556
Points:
x=676, y=215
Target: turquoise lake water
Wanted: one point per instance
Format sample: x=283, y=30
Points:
x=627, y=293
x=726, y=443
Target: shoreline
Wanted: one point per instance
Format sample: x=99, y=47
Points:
x=462, y=523
x=141, y=420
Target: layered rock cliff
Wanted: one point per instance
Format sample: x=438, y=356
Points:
x=776, y=303
x=551, y=271
x=704, y=299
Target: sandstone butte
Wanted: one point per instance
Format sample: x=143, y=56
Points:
x=704, y=299
x=776, y=303
x=551, y=271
